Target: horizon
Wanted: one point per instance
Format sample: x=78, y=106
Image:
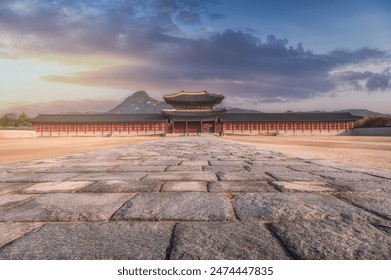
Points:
x=271, y=56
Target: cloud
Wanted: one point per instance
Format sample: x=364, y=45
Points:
x=157, y=54
x=372, y=81
x=62, y=106
x=187, y=17
x=217, y=16
x=234, y=63
x=379, y=82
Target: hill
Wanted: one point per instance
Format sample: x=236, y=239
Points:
x=139, y=103
x=354, y=112
x=240, y=110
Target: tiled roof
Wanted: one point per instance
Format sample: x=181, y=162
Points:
x=193, y=98
x=191, y=115
x=97, y=118
x=289, y=117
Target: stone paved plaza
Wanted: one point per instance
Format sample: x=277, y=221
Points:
x=193, y=198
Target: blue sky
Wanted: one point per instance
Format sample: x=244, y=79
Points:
x=64, y=56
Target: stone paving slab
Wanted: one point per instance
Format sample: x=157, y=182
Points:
x=379, y=203
x=185, y=186
x=182, y=176
x=303, y=186
x=347, y=176
x=55, y=187
x=103, y=176
x=184, y=168
x=195, y=162
x=76, y=169
x=11, y=200
x=112, y=240
x=116, y=186
x=196, y=206
x=240, y=186
x=311, y=167
x=193, y=198
x=12, y=231
x=293, y=176
x=228, y=162
x=295, y=206
x=224, y=241
x=366, y=186
x=66, y=207
x=12, y=187
x=243, y=176
x=36, y=177
x=225, y=168
x=160, y=162
x=333, y=240
x=139, y=168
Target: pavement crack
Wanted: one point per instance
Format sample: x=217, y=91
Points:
x=121, y=208
x=289, y=254
x=171, y=243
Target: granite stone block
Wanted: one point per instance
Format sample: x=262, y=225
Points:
x=224, y=241
x=295, y=206
x=66, y=207
x=189, y=206
x=333, y=240
x=116, y=186
x=93, y=241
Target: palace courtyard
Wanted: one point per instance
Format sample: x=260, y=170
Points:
x=196, y=197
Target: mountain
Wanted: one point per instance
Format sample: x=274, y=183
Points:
x=140, y=103
x=240, y=110
x=354, y=112
x=362, y=112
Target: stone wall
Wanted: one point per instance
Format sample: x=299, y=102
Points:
x=284, y=132
x=370, y=131
x=98, y=133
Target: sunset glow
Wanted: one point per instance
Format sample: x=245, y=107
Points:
x=273, y=56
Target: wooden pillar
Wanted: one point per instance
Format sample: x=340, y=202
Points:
x=85, y=128
x=202, y=130
x=328, y=126
x=267, y=126
x=173, y=127
x=241, y=127
x=128, y=127
x=346, y=126
x=186, y=128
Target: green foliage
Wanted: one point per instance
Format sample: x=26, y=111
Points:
x=14, y=120
x=374, y=122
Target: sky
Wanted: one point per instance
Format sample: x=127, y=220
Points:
x=61, y=56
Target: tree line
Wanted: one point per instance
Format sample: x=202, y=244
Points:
x=14, y=120
x=374, y=121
